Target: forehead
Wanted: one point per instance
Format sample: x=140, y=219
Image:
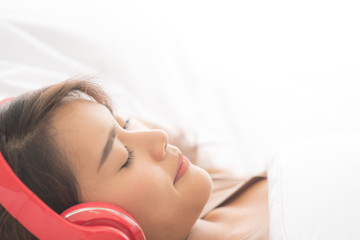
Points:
x=81, y=126
x=80, y=108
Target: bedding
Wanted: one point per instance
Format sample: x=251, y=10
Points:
x=314, y=189
x=239, y=122
x=245, y=99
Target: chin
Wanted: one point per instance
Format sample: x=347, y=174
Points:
x=203, y=183
x=194, y=188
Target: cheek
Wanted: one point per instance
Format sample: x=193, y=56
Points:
x=150, y=189
x=149, y=196
x=154, y=189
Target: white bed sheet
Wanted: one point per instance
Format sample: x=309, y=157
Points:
x=314, y=189
x=248, y=82
x=247, y=77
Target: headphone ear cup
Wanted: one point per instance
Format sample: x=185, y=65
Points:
x=106, y=215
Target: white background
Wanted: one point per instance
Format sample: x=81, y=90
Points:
x=251, y=75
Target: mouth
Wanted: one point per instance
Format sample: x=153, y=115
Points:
x=183, y=166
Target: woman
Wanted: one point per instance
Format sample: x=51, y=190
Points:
x=68, y=146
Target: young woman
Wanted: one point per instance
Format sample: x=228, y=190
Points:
x=68, y=146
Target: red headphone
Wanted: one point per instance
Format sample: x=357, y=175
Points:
x=91, y=221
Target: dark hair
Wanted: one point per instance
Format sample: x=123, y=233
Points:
x=27, y=141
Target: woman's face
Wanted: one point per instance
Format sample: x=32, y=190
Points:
x=133, y=167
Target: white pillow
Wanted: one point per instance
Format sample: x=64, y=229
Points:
x=314, y=189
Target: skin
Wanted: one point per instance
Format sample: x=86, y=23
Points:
x=240, y=217
x=145, y=188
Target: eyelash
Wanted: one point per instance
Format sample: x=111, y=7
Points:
x=130, y=158
x=127, y=123
x=129, y=162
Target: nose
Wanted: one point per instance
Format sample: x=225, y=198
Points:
x=154, y=141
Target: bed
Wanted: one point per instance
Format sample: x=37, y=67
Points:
x=253, y=104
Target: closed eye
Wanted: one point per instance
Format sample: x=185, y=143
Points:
x=127, y=123
x=129, y=160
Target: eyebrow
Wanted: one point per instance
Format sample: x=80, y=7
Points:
x=108, y=146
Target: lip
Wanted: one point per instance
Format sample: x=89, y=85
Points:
x=183, y=166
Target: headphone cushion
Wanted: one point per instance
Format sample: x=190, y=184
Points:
x=104, y=214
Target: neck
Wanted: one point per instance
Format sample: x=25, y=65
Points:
x=206, y=230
